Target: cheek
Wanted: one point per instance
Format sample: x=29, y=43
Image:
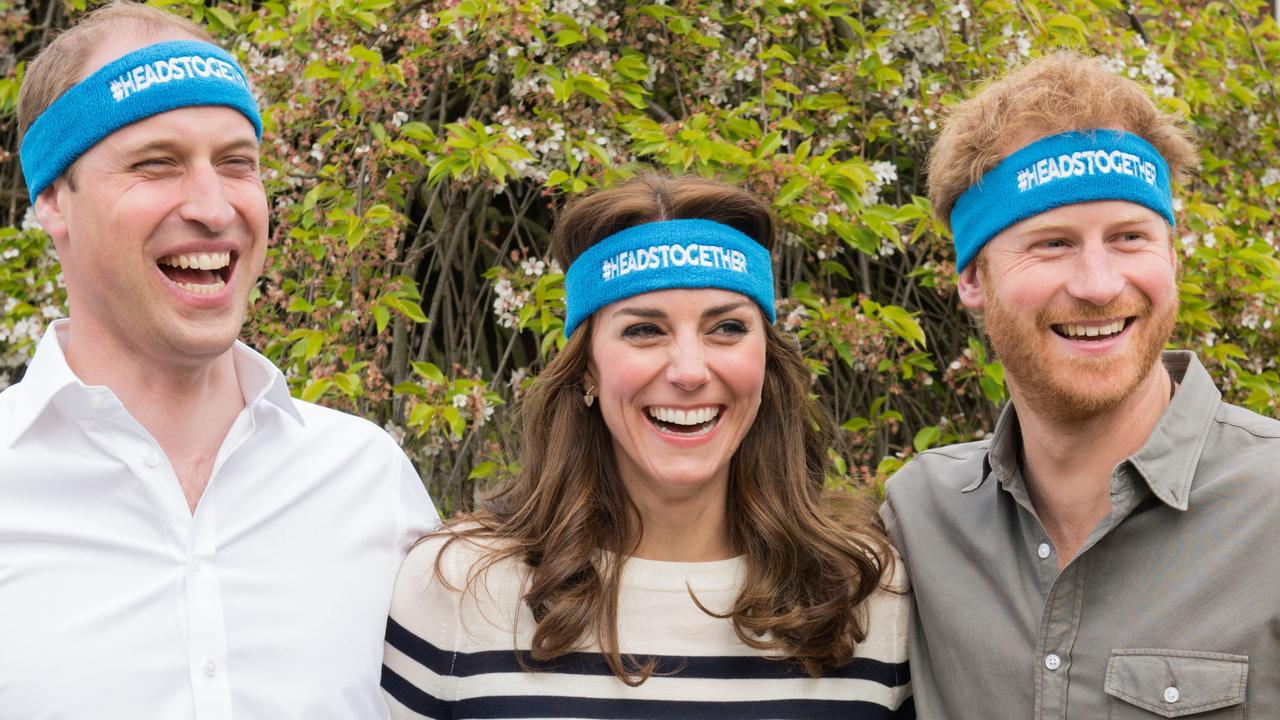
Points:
x=744, y=372
x=621, y=372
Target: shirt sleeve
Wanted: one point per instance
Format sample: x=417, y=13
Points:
x=415, y=513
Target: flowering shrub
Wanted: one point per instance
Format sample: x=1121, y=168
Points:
x=416, y=153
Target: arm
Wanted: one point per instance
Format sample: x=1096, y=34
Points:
x=422, y=642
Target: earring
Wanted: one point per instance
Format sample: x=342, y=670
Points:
x=589, y=397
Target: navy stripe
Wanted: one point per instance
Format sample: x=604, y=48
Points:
x=413, y=697
x=536, y=706
x=907, y=710
x=711, y=667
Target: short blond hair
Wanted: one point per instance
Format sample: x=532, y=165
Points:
x=60, y=65
x=1052, y=94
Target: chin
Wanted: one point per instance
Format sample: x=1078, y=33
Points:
x=206, y=343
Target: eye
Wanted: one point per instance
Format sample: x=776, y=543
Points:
x=1053, y=244
x=240, y=165
x=730, y=328
x=641, y=331
x=154, y=166
x=1132, y=237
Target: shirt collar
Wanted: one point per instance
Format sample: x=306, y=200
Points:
x=1166, y=461
x=48, y=375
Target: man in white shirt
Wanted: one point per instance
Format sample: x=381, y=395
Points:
x=179, y=538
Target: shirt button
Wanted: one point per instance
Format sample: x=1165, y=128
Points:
x=152, y=459
x=196, y=566
x=1052, y=661
x=1044, y=550
x=97, y=402
x=1171, y=695
x=210, y=668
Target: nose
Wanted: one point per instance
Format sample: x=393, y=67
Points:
x=206, y=200
x=687, y=366
x=1097, y=279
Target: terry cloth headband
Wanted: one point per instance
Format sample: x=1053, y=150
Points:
x=149, y=81
x=665, y=255
x=1065, y=169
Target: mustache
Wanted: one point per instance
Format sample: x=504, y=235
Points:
x=1086, y=312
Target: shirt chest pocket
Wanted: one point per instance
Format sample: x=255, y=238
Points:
x=1146, y=684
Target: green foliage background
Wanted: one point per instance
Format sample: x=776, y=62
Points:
x=415, y=153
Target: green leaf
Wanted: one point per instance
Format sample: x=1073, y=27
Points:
x=224, y=18
x=790, y=191
x=1070, y=23
x=429, y=372
x=482, y=470
x=315, y=389
x=926, y=437
x=381, y=316
x=413, y=311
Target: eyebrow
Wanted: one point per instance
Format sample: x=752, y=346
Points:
x=1066, y=228
x=650, y=313
x=243, y=143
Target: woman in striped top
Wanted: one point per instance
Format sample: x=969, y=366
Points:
x=667, y=548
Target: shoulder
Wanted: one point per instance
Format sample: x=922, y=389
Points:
x=443, y=567
x=338, y=439
x=888, y=614
x=1235, y=419
x=947, y=469
x=330, y=423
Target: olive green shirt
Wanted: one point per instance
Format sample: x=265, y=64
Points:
x=1170, y=609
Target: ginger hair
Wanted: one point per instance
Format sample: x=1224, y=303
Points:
x=1056, y=93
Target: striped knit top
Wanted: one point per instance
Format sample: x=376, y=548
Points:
x=451, y=654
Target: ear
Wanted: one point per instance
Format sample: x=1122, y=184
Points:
x=1174, y=256
x=51, y=211
x=969, y=285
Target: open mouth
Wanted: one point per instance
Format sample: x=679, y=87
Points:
x=685, y=423
x=198, y=273
x=1092, y=332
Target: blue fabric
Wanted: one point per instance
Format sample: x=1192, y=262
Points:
x=665, y=255
x=149, y=81
x=1065, y=169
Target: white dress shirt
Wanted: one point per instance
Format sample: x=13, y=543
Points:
x=268, y=603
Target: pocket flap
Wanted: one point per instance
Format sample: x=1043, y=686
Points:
x=1174, y=683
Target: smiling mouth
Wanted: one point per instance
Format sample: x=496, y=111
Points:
x=198, y=273
x=1092, y=332
x=685, y=423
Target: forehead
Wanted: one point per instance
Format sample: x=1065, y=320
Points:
x=113, y=43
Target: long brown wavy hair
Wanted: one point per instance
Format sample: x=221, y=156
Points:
x=812, y=556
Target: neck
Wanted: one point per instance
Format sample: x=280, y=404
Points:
x=187, y=408
x=1067, y=465
x=692, y=528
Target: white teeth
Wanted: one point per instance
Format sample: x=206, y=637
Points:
x=676, y=416
x=199, y=261
x=1093, y=330
x=211, y=289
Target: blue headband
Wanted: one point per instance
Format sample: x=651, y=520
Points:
x=155, y=79
x=665, y=255
x=1065, y=169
